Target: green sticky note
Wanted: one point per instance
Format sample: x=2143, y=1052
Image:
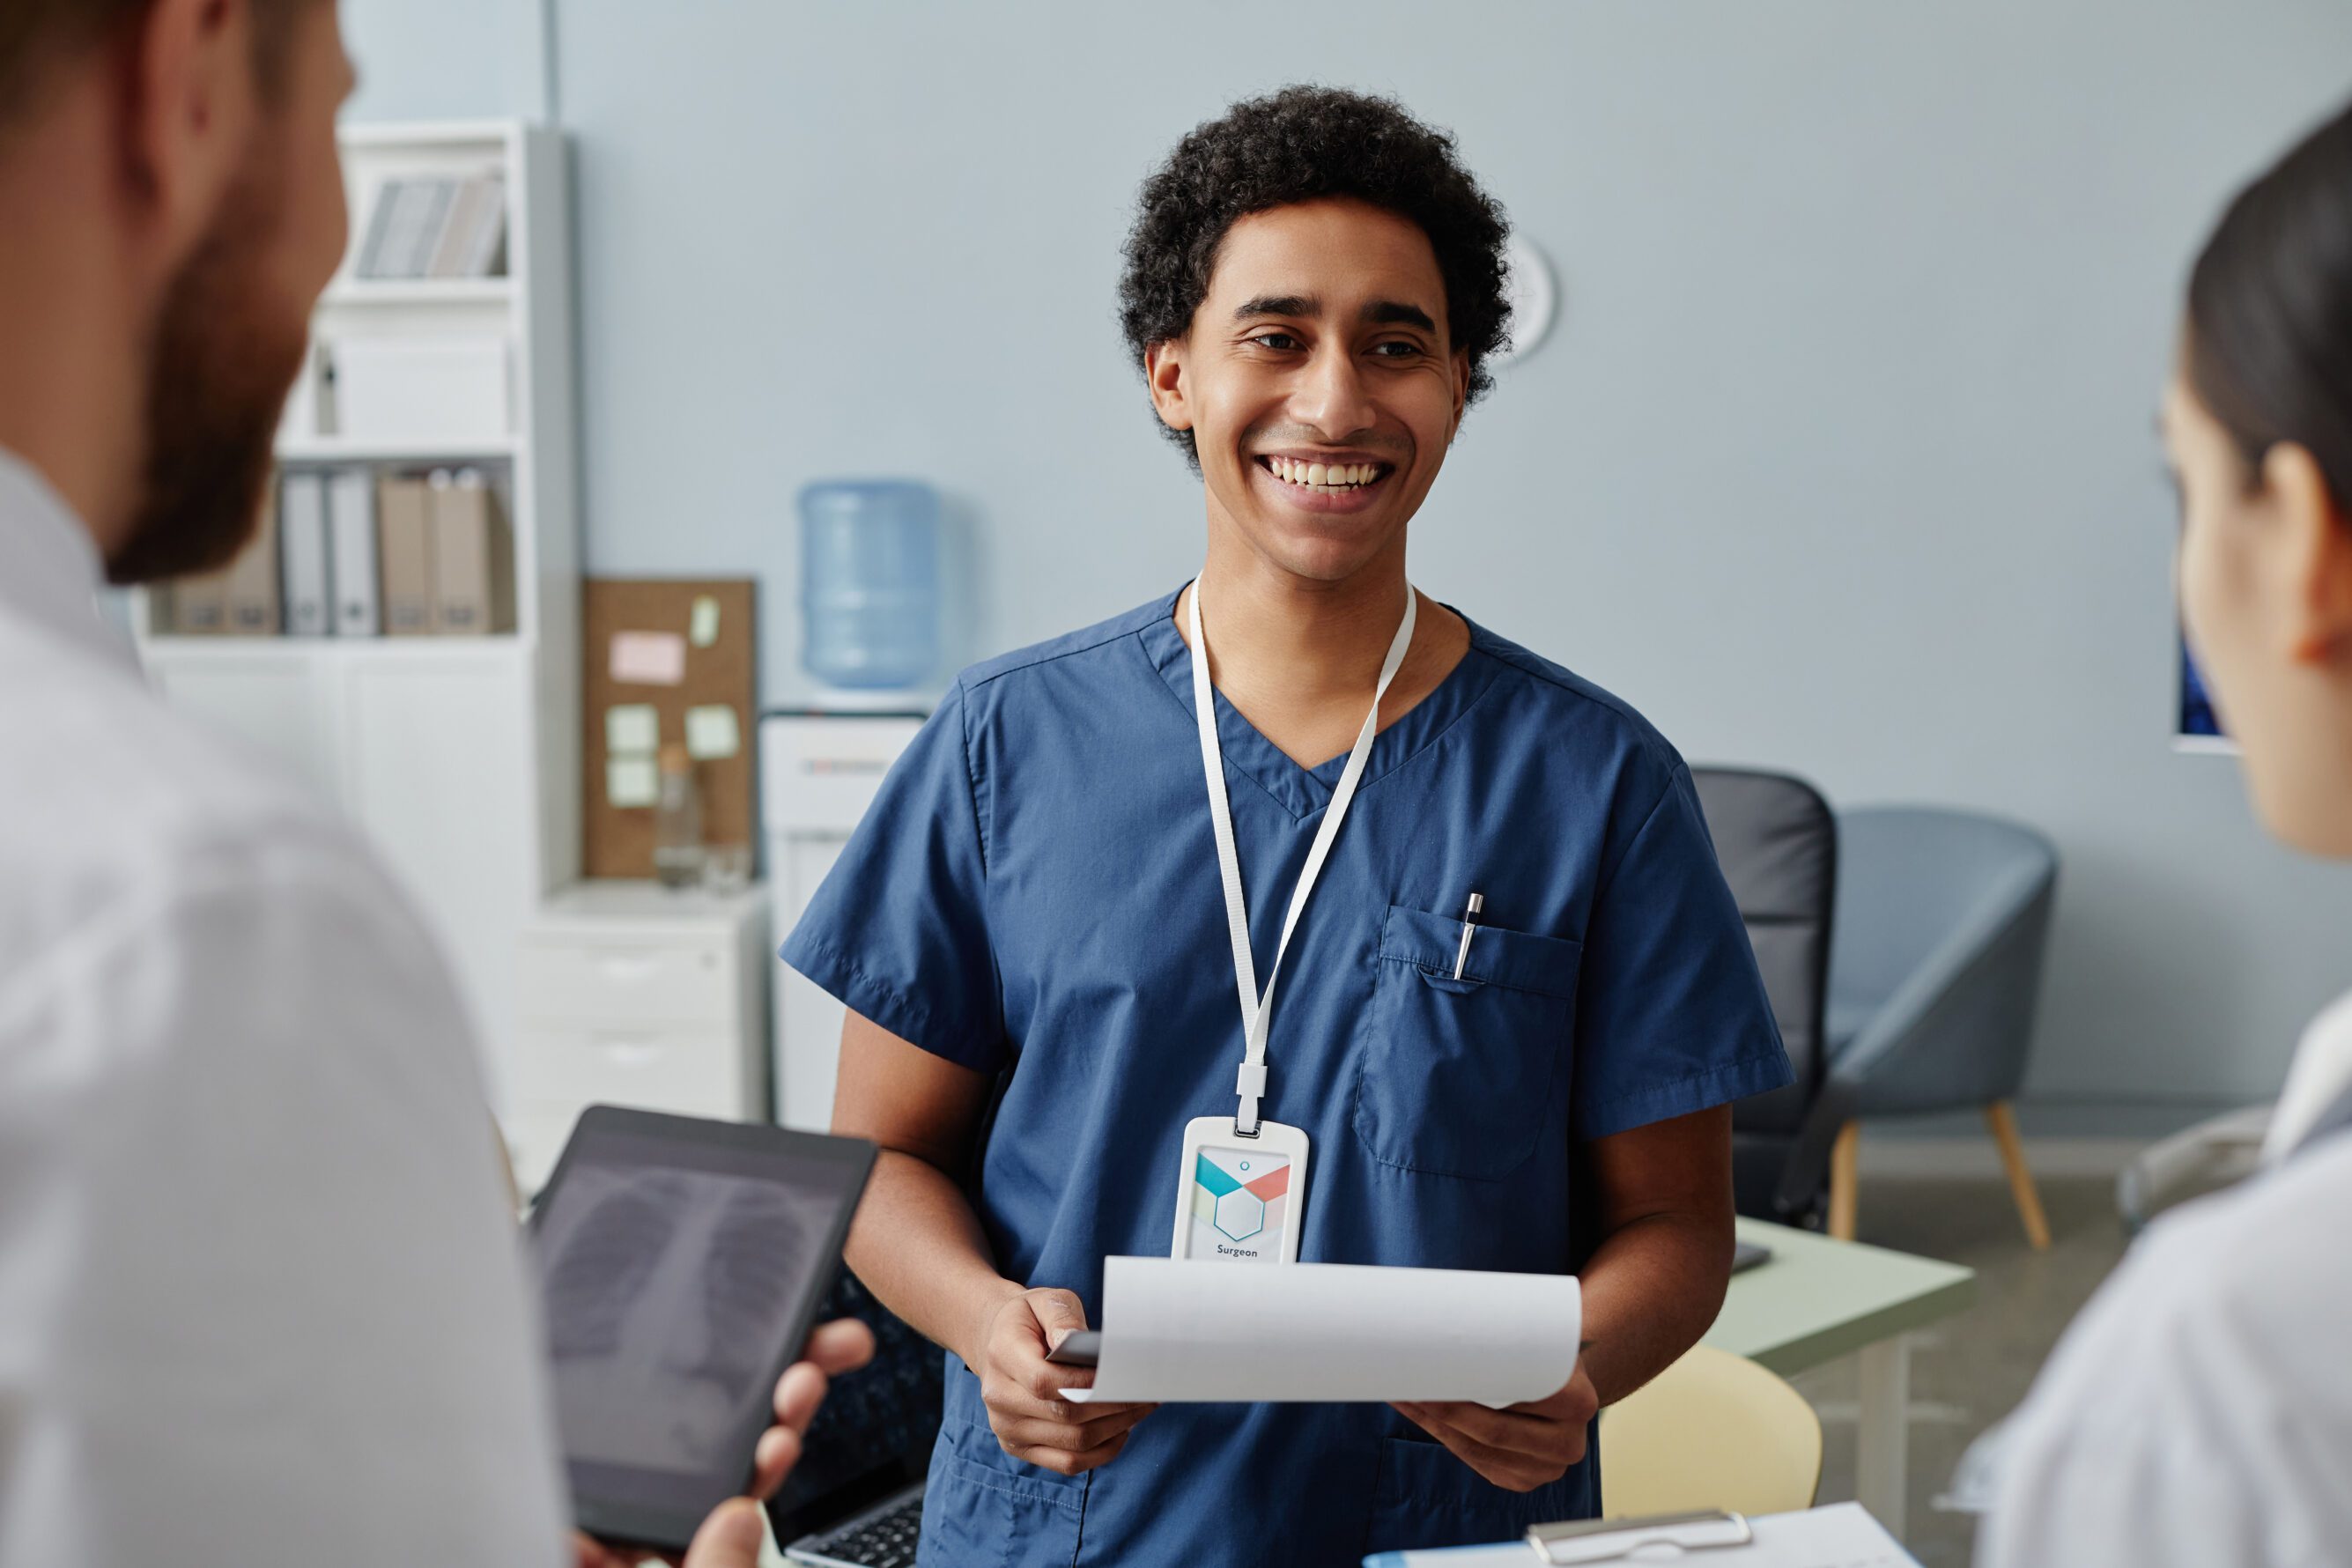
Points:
x=702, y=629
x=711, y=734
x=631, y=782
x=632, y=729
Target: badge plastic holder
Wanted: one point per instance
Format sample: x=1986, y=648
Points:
x=1239, y=1225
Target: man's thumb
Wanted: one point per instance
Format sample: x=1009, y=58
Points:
x=1059, y=1312
x=730, y=1538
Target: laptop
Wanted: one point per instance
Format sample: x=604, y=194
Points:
x=855, y=1498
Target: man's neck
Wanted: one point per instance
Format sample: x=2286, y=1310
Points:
x=1298, y=658
x=1318, y=638
x=72, y=403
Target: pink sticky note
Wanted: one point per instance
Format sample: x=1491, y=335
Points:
x=648, y=658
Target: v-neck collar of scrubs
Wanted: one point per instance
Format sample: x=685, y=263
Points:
x=1304, y=791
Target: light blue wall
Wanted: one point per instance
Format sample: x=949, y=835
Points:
x=447, y=59
x=1840, y=461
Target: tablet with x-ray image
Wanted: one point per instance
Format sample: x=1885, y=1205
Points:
x=681, y=1262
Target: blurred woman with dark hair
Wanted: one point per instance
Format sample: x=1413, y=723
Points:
x=2201, y=1409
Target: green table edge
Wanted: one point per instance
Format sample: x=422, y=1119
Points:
x=1955, y=1292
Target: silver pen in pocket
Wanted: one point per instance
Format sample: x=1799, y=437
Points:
x=1469, y=923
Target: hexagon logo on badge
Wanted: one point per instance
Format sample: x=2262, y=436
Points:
x=1241, y=1214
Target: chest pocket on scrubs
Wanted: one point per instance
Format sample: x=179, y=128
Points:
x=1457, y=1077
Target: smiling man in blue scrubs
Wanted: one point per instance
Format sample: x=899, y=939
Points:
x=1038, y=917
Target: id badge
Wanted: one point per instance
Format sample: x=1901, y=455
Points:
x=1237, y=1198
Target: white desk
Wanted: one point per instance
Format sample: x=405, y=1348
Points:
x=1817, y=1300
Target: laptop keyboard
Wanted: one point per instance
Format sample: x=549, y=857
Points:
x=885, y=1541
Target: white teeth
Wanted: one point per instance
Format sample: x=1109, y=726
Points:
x=1322, y=476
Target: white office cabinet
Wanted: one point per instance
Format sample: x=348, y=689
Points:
x=282, y=706
x=443, y=778
x=818, y=772
x=458, y=757
x=628, y=993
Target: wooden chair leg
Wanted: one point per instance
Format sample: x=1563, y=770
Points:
x=1846, y=1171
x=2004, y=1124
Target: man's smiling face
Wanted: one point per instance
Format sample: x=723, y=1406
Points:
x=1319, y=382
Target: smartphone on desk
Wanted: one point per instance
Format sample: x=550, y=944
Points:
x=680, y=1262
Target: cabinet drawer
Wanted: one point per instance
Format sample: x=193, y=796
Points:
x=624, y=981
x=692, y=1072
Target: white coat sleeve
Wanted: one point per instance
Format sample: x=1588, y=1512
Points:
x=265, y=1301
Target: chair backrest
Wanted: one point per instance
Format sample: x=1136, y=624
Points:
x=1913, y=880
x=1777, y=842
x=1947, y=911
x=1714, y=1430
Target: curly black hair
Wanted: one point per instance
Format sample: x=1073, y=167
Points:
x=1300, y=144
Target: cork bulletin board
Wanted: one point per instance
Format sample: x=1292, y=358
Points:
x=664, y=657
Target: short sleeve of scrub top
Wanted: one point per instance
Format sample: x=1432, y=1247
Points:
x=1654, y=1011
x=1035, y=894
x=898, y=932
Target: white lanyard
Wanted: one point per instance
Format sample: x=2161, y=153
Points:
x=1257, y=1012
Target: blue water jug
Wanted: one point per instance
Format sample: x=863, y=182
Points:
x=870, y=581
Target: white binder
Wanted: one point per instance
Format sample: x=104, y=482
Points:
x=351, y=526
x=302, y=547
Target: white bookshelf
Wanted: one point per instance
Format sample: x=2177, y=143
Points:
x=458, y=756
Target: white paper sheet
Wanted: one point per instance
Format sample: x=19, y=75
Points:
x=1177, y=1330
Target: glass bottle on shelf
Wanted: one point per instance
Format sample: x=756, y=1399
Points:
x=677, y=821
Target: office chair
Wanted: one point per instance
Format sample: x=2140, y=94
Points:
x=1714, y=1430
x=1778, y=844
x=1935, y=972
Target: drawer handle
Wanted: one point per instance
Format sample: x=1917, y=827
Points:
x=630, y=1053
x=627, y=966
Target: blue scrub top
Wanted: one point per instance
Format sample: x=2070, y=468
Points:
x=1034, y=893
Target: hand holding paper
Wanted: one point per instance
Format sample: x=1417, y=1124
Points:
x=1522, y=1447
x=1023, y=1394
x=1177, y=1330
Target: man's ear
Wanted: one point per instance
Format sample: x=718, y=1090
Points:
x=1164, y=371
x=189, y=110
x=1461, y=392
x=2315, y=554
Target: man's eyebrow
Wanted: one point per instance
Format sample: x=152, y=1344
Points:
x=1397, y=313
x=1278, y=305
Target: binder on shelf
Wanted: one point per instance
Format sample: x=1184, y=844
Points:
x=438, y=226
x=404, y=557
x=371, y=244
x=404, y=227
x=199, y=606
x=470, y=240
x=351, y=527
x=473, y=556
x=249, y=586
x=303, y=547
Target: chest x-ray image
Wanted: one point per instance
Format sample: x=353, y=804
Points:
x=667, y=1293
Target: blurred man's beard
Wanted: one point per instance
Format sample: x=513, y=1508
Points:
x=220, y=373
